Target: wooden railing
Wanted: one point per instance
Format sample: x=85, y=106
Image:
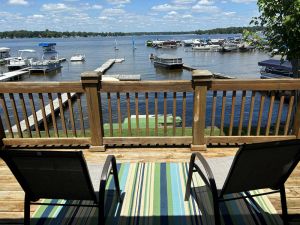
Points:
x=196, y=112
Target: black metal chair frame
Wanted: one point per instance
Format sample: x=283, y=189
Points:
x=109, y=168
x=217, y=198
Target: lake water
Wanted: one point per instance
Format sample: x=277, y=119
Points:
x=100, y=49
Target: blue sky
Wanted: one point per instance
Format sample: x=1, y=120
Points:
x=125, y=15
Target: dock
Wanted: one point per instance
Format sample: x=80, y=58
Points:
x=13, y=74
x=125, y=77
x=215, y=75
x=108, y=64
x=39, y=113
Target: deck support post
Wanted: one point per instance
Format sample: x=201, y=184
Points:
x=91, y=82
x=201, y=79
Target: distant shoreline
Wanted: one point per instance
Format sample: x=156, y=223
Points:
x=67, y=34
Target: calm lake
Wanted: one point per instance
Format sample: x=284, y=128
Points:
x=98, y=50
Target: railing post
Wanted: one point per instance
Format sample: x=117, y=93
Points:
x=91, y=82
x=200, y=79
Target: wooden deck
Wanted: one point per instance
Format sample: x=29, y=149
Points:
x=11, y=194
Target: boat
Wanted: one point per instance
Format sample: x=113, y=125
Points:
x=25, y=58
x=187, y=43
x=116, y=45
x=229, y=47
x=49, y=61
x=4, y=55
x=244, y=47
x=77, y=57
x=168, y=61
x=278, y=69
x=201, y=47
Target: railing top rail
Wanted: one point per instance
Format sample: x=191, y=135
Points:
x=147, y=86
x=152, y=86
x=254, y=84
x=41, y=87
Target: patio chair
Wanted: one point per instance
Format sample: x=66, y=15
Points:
x=255, y=166
x=60, y=175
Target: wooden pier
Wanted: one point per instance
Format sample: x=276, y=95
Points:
x=13, y=74
x=39, y=113
x=125, y=77
x=108, y=64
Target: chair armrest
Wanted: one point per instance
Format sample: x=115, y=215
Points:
x=106, y=171
x=211, y=180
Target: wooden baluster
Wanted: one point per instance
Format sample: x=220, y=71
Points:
x=137, y=114
x=213, y=113
x=223, y=113
x=2, y=134
x=288, y=116
x=242, y=113
x=91, y=82
x=33, y=110
x=71, y=112
x=111, y=129
x=25, y=115
x=16, y=116
x=62, y=115
x=279, y=114
x=251, y=113
x=53, y=115
x=270, y=114
x=119, y=114
x=6, y=115
x=296, y=127
x=183, y=113
x=165, y=114
x=147, y=113
x=261, y=109
x=232, y=112
x=42, y=106
x=128, y=114
x=156, y=113
x=80, y=113
x=174, y=114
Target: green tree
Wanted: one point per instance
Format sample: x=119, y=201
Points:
x=281, y=22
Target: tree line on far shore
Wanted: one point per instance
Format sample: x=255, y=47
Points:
x=56, y=34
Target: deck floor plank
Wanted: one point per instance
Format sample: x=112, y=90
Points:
x=11, y=194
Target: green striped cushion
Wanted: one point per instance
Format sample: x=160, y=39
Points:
x=154, y=194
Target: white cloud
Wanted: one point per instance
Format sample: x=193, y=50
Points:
x=229, y=13
x=18, y=2
x=172, y=13
x=205, y=2
x=118, y=2
x=113, y=11
x=223, y=1
x=37, y=16
x=55, y=7
x=96, y=7
x=205, y=9
x=187, y=16
x=167, y=7
x=243, y=1
x=183, y=2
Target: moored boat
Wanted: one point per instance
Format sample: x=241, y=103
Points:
x=26, y=57
x=77, y=58
x=168, y=61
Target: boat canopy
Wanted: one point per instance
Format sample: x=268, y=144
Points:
x=4, y=49
x=277, y=64
x=166, y=56
x=27, y=50
x=47, y=44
